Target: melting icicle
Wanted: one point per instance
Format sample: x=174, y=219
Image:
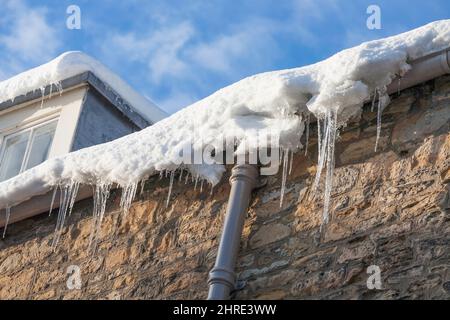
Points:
x=378, y=124
x=373, y=100
x=143, y=185
x=322, y=144
x=53, y=201
x=51, y=91
x=326, y=159
x=101, y=195
x=67, y=199
x=76, y=186
x=42, y=89
x=59, y=88
x=196, y=181
x=181, y=174
x=172, y=174
x=201, y=185
x=308, y=119
x=292, y=161
x=319, y=139
x=7, y=215
x=331, y=139
x=284, y=176
x=128, y=194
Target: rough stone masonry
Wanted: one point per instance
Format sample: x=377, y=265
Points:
x=390, y=209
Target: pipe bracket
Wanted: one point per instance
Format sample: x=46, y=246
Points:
x=221, y=275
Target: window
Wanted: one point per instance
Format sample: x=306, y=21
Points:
x=25, y=149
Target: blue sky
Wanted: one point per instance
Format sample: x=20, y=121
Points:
x=176, y=52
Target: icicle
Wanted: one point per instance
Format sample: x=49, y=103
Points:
x=7, y=215
x=373, y=100
x=322, y=143
x=143, y=185
x=308, y=119
x=212, y=190
x=128, y=194
x=319, y=139
x=196, y=181
x=399, y=84
x=280, y=155
x=284, y=176
x=59, y=88
x=378, y=124
x=201, y=185
x=161, y=174
x=51, y=91
x=67, y=199
x=292, y=161
x=42, y=89
x=73, y=196
x=331, y=132
x=101, y=195
x=187, y=178
x=181, y=174
x=172, y=174
x=53, y=201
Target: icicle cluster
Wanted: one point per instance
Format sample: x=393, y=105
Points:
x=272, y=101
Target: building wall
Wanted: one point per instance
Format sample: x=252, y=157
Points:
x=100, y=122
x=390, y=208
x=65, y=107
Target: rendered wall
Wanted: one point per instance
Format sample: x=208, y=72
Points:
x=65, y=107
x=390, y=209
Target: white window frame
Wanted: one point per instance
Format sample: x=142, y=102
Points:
x=31, y=127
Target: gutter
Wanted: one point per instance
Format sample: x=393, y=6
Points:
x=423, y=69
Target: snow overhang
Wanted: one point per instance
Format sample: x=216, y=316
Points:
x=276, y=102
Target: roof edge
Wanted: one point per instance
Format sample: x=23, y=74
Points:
x=93, y=81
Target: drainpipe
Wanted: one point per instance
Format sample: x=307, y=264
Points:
x=222, y=278
x=422, y=70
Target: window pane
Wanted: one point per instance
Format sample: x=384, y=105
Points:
x=14, y=151
x=40, y=145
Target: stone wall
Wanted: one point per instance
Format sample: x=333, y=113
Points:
x=390, y=208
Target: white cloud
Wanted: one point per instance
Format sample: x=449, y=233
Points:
x=176, y=100
x=159, y=50
x=25, y=36
x=175, y=51
x=181, y=59
x=178, y=57
x=227, y=54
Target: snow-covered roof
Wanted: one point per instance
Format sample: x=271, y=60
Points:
x=70, y=64
x=275, y=101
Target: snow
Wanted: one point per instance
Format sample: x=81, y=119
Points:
x=279, y=102
x=70, y=64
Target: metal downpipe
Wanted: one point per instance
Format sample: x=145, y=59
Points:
x=222, y=277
